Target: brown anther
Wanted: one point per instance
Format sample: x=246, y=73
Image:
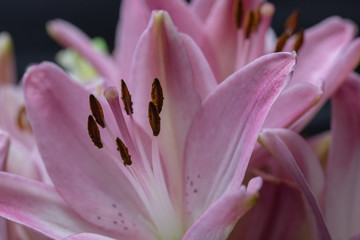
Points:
x=154, y=118
x=96, y=110
x=299, y=40
x=157, y=96
x=124, y=152
x=249, y=23
x=238, y=13
x=291, y=23
x=281, y=41
x=22, y=120
x=94, y=132
x=257, y=18
x=126, y=98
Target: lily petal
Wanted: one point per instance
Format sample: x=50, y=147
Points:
x=134, y=17
x=322, y=45
x=286, y=146
x=38, y=206
x=222, y=32
x=58, y=109
x=88, y=236
x=218, y=220
x=70, y=36
x=292, y=104
x=187, y=22
x=11, y=112
x=3, y=229
x=344, y=64
x=161, y=54
x=325, y=59
x=4, y=148
x=342, y=186
x=202, y=8
x=355, y=237
x=278, y=214
x=224, y=131
x=181, y=14
x=204, y=78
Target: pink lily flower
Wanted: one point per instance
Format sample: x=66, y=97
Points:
x=18, y=151
x=332, y=190
x=177, y=177
x=328, y=53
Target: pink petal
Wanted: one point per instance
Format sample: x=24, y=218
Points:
x=181, y=14
x=88, y=236
x=342, y=66
x=224, y=131
x=342, y=186
x=325, y=59
x=218, y=220
x=320, y=144
x=355, y=237
x=134, y=17
x=4, y=148
x=7, y=60
x=278, y=214
x=17, y=231
x=290, y=150
x=3, y=229
x=305, y=159
x=202, y=8
x=204, y=79
x=292, y=104
x=222, y=32
x=38, y=206
x=322, y=45
x=161, y=53
x=86, y=177
x=69, y=36
x=187, y=22
x=11, y=104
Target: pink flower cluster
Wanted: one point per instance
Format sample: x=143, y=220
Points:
x=190, y=130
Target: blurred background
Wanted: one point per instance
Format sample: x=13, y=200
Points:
x=25, y=20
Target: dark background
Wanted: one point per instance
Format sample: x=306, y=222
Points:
x=25, y=21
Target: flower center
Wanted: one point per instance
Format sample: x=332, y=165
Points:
x=144, y=170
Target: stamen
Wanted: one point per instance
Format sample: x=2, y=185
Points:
x=154, y=118
x=94, y=132
x=22, y=120
x=257, y=19
x=157, y=97
x=124, y=152
x=249, y=23
x=112, y=96
x=238, y=13
x=291, y=23
x=281, y=41
x=96, y=110
x=299, y=40
x=126, y=98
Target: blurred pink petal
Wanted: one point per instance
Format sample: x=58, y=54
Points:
x=290, y=149
x=342, y=172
